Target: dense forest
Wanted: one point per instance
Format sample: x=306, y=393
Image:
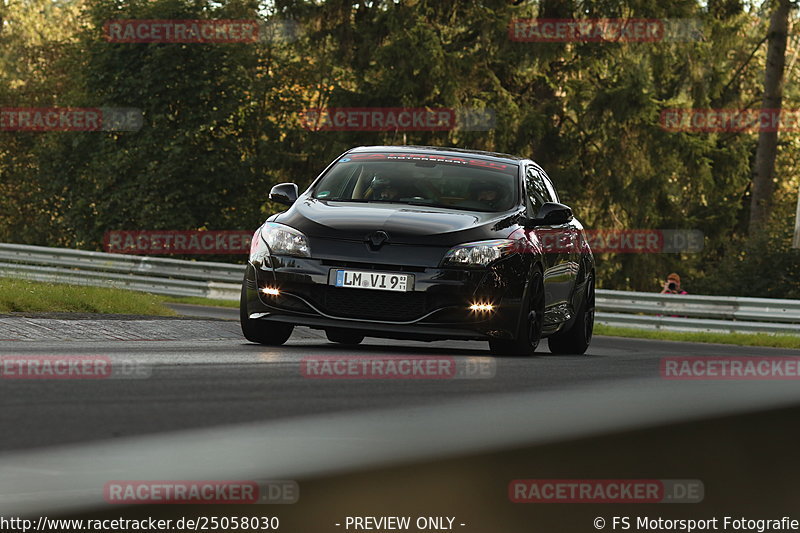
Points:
x=221, y=123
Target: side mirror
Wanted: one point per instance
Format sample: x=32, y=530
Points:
x=551, y=214
x=284, y=193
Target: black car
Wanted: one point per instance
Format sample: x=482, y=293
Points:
x=423, y=243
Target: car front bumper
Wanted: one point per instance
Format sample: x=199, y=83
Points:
x=436, y=308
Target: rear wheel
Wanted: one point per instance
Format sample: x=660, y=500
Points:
x=260, y=331
x=530, y=325
x=576, y=339
x=343, y=336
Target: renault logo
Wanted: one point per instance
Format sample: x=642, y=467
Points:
x=377, y=239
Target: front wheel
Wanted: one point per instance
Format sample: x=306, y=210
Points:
x=576, y=339
x=530, y=324
x=261, y=332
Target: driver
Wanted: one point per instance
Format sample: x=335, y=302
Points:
x=487, y=192
x=384, y=189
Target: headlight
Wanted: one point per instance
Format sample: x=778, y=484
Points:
x=278, y=239
x=479, y=253
x=258, y=248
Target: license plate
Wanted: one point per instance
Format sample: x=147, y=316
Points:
x=382, y=281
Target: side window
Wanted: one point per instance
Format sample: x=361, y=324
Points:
x=551, y=191
x=536, y=191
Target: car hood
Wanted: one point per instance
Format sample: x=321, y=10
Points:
x=416, y=225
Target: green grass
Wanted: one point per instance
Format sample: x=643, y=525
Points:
x=17, y=295
x=739, y=339
x=196, y=300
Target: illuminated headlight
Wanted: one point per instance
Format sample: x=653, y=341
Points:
x=479, y=253
x=481, y=307
x=278, y=239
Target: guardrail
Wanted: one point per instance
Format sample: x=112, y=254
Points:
x=690, y=312
x=171, y=277
x=175, y=277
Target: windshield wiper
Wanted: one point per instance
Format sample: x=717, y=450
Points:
x=357, y=200
x=416, y=203
x=446, y=206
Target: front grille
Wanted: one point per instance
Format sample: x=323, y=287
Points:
x=371, y=266
x=373, y=305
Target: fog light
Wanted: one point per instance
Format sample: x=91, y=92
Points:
x=270, y=291
x=481, y=308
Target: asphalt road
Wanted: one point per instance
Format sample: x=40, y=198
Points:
x=200, y=373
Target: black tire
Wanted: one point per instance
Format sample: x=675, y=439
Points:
x=260, y=331
x=530, y=324
x=577, y=338
x=343, y=336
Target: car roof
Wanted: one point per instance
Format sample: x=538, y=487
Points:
x=441, y=151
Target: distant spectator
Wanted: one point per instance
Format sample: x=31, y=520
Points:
x=673, y=285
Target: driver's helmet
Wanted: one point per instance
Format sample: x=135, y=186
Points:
x=380, y=183
x=481, y=187
x=384, y=187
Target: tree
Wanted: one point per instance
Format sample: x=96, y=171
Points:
x=764, y=165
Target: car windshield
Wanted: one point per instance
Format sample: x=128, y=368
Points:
x=463, y=183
